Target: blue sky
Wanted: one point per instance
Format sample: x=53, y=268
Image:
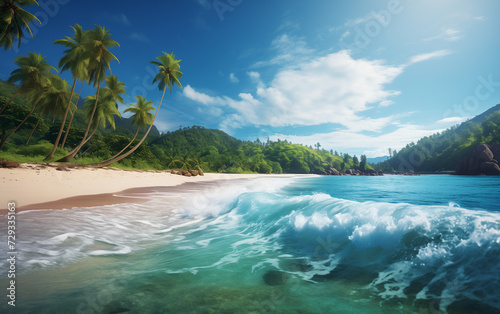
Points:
x=356, y=76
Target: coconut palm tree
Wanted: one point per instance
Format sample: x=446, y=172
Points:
x=31, y=74
x=13, y=21
x=52, y=100
x=99, y=58
x=141, y=117
x=74, y=61
x=107, y=106
x=105, y=110
x=168, y=74
x=55, y=97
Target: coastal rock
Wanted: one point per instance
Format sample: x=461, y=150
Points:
x=332, y=172
x=483, y=153
x=8, y=164
x=483, y=160
x=194, y=173
x=489, y=169
x=174, y=171
x=200, y=171
x=62, y=168
x=186, y=173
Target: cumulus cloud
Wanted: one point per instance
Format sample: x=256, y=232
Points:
x=329, y=89
x=254, y=75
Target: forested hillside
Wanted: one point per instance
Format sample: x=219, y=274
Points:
x=443, y=151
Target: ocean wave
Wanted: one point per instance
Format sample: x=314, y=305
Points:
x=399, y=251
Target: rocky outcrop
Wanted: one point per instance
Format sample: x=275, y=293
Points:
x=332, y=172
x=188, y=173
x=352, y=172
x=9, y=164
x=62, y=168
x=482, y=161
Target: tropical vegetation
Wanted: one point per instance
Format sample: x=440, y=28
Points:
x=443, y=151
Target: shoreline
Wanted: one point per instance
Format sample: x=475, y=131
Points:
x=37, y=186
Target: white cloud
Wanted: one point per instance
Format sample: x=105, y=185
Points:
x=202, y=98
x=288, y=49
x=139, y=36
x=448, y=34
x=254, y=75
x=329, y=89
x=233, y=78
x=386, y=103
x=452, y=120
x=428, y=56
x=344, y=35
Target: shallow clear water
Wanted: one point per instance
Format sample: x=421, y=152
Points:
x=388, y=244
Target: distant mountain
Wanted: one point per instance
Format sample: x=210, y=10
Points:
x=377, y=160
x=444, y=151
x=125, y=127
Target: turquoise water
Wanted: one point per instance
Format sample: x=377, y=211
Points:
x=392, y=244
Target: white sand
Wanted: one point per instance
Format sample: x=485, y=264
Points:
x=33, y=183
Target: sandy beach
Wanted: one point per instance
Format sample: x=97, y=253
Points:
x=39, y=186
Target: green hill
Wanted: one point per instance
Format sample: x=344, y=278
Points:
x=443, y=151
x=216, y=151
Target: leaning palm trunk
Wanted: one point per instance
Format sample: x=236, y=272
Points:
x=118, y=158
x=8, y=103
x=67, y=130
x=61, y=129
x=86, y=140
x=133, y=139
x=71, y=120
x=33, y=131
x=20, y=124
x=75, y=151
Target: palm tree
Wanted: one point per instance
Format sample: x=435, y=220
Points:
x=169, y=74
x=51, y=101
x=107, y=98
x=74, y=61
x=106, y=108
x=141, y=117
x=99, y=57
x=31, y=74
x=13, y=21
x=55, y=97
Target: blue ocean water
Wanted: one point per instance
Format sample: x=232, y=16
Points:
x=392, y=244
